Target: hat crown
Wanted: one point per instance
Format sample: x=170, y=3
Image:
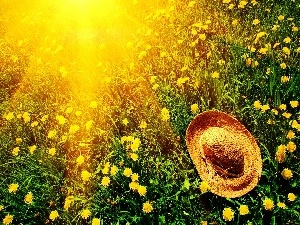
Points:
x=223, y=149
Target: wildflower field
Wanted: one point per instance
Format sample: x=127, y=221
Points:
x=96, y=97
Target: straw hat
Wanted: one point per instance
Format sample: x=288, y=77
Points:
x=225, y=153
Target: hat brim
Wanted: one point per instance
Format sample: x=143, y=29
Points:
x=220, y=185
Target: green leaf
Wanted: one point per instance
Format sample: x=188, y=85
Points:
x=186, y=184
x=162, y=219
x=273, y=220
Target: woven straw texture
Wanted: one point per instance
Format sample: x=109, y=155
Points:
x=225, y=153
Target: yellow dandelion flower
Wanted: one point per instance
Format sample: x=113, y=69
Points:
x=257, y=104
x=18, y=141
x=255, y=21
x=287, y=174
x=64, y=138
x=26, y=117
x=155, y=87
x=85, y=214
x=53, y=215
x=276, y=44
x=275, y=111
x=202, y=37
x=165, y=114
x=9, y=116
x=15, y=151
x=134, y=185
x=286, y=115
x=32, y=149
x=291, y=146
x=226, y=1
x=263, y=51
x=125, y=121
x=294, y=104
x=275, y=27
x=80, y=160
x=268, y=204
x=13, y=188
x=73, y=129
x=282, y=107
x=234, y=22
x=147, y=207
x=152, y=79
x=34, y=124
x=61, y=119
x=105, y=170
x=1, y=207
x=134, y=156
x=85, y=175
x=287, y=40
x=264, y=108
x=78, y=113
x=194, y=108
x=281, y=17
x=68, y=202
x=89, y=124
x=134, y=177
x=191, y=3
x=114, y=170
x=51, y=151
x=294, y=124
x=96, y=221
x=204, y=187
x=142, y=190
x=242, y=4
x=127, y=172
x=283, y=66
x=69, y=110
x=143, y=124
x=290, y=135
x=52, y=133
x=28, y=198
x=215, y=75
x=292, y=197
x=44, y=118
x=286, y=50
x=135, y=144
x=142, y=55
x=231, y=6
x=281, y=205
x=280, y=154
x=181, y=81
x=8, y=219
x=93, y=104
x=295, y=29
x=228, y=214
x=105, y=181
x=244, y=210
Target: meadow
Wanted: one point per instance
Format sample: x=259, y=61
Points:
x=96, y=97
